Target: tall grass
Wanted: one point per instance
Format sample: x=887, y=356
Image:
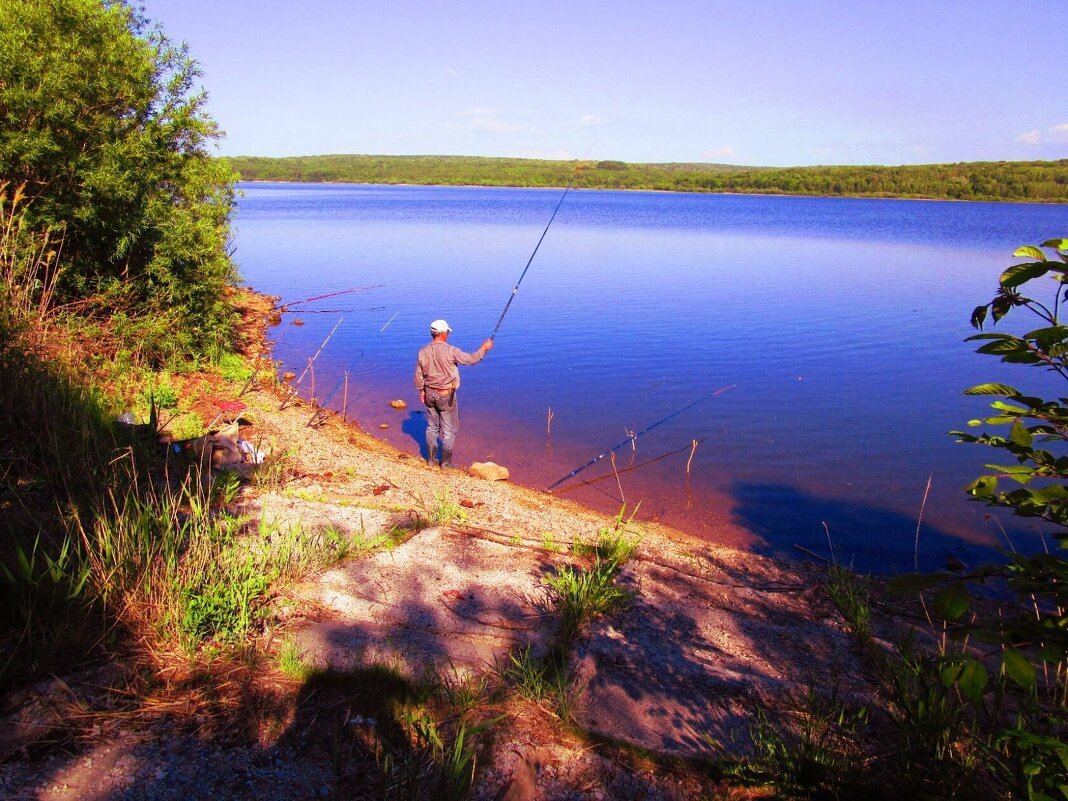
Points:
x=583, y=594
x=29, y=263
x=93, y=535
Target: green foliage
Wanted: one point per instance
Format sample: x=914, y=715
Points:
x=814, y=755
x=101, y=122
x=1045, y=181
x=234, y=369
x=1030, y=641
x=582, y=595
x=540, y=679
x=446, y=510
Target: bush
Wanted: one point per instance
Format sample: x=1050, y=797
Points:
x=100, y=122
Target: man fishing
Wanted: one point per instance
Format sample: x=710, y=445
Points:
x=437, y=379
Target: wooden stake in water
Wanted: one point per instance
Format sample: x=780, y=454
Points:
x=345, y=399
x=693, y=450
x=549, y=423
x=622, y=497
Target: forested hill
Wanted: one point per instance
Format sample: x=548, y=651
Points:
x=1032, y=181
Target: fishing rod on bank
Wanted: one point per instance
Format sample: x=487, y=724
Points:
x=323, y=409
x=522, y=275
x=286, y=306
x=633, y=437
x=311, y=361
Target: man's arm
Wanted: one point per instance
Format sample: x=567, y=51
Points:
x=419, y=376
x=475, y=356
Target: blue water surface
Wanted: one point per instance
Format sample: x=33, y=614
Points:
x=835, y=327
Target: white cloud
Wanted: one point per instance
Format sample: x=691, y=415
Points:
x=717, y=153
x=591, y=119
x=489, y=119
x=1059, y=133
x=451, y=72
x=1029, y=138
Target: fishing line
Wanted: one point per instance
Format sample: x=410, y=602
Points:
x=632, y=438
x=559, y=203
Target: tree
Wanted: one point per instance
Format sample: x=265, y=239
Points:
x=101, y=122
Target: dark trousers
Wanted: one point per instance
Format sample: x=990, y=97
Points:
x=442, y=418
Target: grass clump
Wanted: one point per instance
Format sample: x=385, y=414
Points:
x=809, y=754
x=293, y=663
x=540, y=680
x=851, y=594
x=584, y=594
x=446, y=510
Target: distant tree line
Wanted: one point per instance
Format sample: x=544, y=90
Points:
x=1034, y=181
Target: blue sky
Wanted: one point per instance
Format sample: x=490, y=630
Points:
x=757, y=82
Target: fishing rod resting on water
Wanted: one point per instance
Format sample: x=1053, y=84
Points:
x=522, y=275
x=632, y=437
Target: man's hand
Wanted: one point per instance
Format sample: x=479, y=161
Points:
x=487, y=345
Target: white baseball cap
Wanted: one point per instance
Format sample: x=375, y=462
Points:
x=439, y=327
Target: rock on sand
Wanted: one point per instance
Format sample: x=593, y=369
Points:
x=488, y=471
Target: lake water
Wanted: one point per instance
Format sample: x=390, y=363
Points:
x=837, y=325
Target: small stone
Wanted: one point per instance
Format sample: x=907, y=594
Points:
x=488, y=471
x=398, y=404
x=384, y=426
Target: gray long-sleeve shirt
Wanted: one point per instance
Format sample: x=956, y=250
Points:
x=436, y=365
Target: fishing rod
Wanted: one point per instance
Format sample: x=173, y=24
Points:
x=285, y=306
x=323, y=405
x=632, y=437
x=311, y=361
x=316, y=356
x=515, y=289
x=590, y=482
x=321, y=412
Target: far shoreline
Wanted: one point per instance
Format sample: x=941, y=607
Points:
x=555, y=188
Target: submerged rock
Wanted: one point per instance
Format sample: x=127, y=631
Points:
x=488, y=471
